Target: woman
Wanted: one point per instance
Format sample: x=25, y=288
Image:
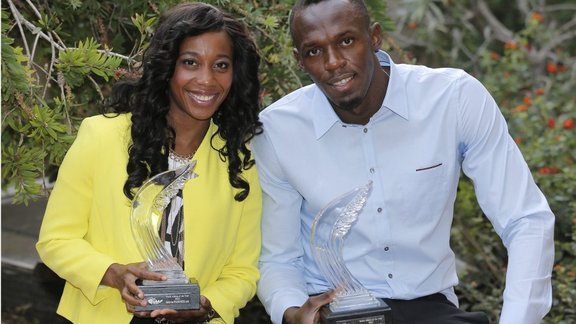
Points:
x=196, y=99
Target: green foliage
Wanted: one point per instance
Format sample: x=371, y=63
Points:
x=78, y=62
x=526, y=57
x=44, y=88
x=16, y=75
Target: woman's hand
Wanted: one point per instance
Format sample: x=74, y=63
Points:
x=123, y=277
x=204, y=314
x=308, y=313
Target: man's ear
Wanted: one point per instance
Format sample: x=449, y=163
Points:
x=376, y=36
x=297, y=58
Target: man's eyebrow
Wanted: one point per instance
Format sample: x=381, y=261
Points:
x=309, y=44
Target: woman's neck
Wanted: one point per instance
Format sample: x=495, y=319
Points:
x=189, y=134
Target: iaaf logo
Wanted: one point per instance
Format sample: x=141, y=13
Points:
x=154, y=301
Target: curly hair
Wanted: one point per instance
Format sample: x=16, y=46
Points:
x=147, y=98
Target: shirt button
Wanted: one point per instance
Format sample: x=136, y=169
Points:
x=379, y=210
x=386, y=248
x=365, y=130
x=390, y=276
x=371, y=170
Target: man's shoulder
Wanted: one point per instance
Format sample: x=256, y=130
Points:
x=425, y=73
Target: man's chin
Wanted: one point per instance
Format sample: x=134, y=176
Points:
x=347, y=105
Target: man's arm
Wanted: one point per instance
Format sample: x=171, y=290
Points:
x=511, y=200
x=282, y=283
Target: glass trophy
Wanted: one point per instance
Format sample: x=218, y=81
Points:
x=353, y=302
x=178, y=291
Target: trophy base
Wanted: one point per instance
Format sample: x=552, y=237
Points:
x=375, y=315
x=170, y=296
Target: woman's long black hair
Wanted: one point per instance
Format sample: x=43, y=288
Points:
x=147, y=98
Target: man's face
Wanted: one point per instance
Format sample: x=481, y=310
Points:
x=335, y=46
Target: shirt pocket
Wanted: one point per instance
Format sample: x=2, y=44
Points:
x=420, y=193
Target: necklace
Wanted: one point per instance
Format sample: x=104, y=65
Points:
x=180, y=158
x=388, y=75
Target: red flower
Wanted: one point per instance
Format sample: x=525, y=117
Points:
x=551, y=67
x=120, y=72
x=537, y=16
x=548, y=170
x=528, y=100
x=539, y=91
x=551, y=123
x=520, y=108
x=412, y=25
x=568, y=123
x=510, y=45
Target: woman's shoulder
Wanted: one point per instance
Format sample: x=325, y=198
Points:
x=106, y=123
x=107, y=120
x=110, y=126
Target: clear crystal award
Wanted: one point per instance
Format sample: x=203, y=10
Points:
x=353, y=302
x=178, y=291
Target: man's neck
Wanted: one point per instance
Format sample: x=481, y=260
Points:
x=374, y=99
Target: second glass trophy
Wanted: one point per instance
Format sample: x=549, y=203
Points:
x=178, y=291
x=353, y=303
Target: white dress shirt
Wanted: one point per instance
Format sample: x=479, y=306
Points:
x=432, y=124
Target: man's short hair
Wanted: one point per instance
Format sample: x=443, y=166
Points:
x=300, y=5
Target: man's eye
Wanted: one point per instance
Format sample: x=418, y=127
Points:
x=313, y=52
x=347, y=41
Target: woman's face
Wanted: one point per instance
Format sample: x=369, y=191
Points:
x=202, y=76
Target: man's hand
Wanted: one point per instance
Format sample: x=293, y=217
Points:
x=123, y=277
x=308, y=313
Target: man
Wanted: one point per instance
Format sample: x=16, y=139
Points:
x=410, y=130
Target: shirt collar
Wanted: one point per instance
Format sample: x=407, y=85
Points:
x=396, y=101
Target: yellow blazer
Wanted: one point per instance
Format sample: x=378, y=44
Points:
x=86, y=226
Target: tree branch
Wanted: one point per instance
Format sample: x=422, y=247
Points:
x=500, y=31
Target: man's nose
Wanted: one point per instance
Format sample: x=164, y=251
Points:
x=334, y=59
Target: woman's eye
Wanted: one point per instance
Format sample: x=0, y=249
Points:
x=188, y=62
x=222, y=65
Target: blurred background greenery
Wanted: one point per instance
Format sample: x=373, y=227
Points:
x=60, y=58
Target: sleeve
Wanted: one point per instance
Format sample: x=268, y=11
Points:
x=61, y=244
x=282, y=283
x=236, y=284
x=509, y=197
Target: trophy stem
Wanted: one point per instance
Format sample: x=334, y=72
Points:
x=148, y=208
x=353, y=302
